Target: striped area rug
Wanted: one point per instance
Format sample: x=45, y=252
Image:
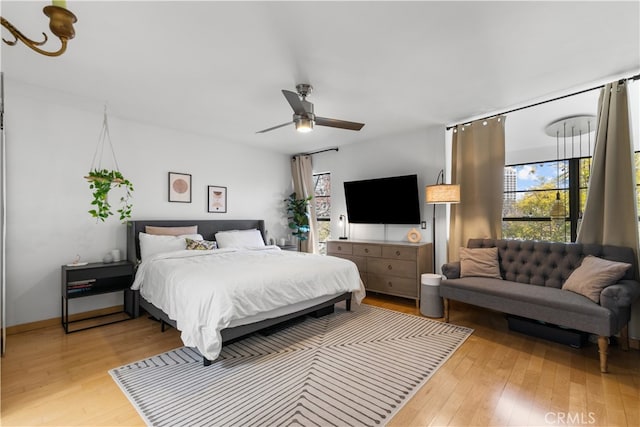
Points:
x=349, y=368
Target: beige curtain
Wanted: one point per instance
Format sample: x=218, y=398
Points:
x=610, y=214
x=302, y=173
x=478, y=167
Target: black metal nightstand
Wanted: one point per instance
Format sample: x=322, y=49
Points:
x=95, y=279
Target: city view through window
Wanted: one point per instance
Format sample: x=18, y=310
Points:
x=530, y=191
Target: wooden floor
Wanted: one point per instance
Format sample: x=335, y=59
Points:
x=496, y=377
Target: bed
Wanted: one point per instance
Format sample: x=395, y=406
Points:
x=279, y=286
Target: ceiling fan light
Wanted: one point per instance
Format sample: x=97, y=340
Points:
x=304, y=125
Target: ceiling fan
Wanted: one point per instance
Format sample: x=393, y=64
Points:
x=303, y=116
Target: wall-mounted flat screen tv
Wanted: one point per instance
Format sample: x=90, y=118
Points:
x=392, y=200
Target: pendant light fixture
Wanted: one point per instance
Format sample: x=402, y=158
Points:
x=582, y=124
x=557, y=208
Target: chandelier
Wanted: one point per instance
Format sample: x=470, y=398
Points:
x=61, y=22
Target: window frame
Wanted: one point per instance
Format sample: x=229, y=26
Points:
x=315, y=176
x=572, y=188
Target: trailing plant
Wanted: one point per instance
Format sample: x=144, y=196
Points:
x=101, y=181
x=298, y=215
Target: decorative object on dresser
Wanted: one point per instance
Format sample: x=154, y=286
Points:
x=387, y=267
x=83, y=280
x=414, y=236
x=102, y=180
x=179, y=187
x=217, y=199
x=348, y=368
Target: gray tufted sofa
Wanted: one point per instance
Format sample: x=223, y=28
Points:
x=533, y=273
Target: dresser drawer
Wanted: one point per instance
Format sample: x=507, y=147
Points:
x=339, y=248
x=400, y=252
x=367, y=250
x=392, y=285
x=392, y=267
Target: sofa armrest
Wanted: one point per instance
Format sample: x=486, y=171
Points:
x=622, y=294
x=451, y=270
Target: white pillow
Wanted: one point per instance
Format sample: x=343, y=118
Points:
x=239, y=239
x=151, y=244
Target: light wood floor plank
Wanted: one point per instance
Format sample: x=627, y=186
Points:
x=497, y=377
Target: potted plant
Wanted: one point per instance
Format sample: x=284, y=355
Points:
x=101, y=181
x=298, y=215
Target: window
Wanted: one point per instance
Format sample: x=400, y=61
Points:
x=530, y=192
x=322, y=200
x=530, y=189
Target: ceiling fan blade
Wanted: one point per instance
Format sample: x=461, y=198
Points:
x=275, y=127
x=335, y=123
x=295, y=102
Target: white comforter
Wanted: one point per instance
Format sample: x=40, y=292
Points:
x=203, y=291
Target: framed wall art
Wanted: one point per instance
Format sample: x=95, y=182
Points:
x=217, y=200
x=179, y=187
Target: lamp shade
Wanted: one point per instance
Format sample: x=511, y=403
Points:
x=443, y=193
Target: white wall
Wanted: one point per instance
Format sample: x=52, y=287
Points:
x=50, y=144
x=420, y=152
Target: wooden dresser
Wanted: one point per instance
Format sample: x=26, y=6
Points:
x=393, y=268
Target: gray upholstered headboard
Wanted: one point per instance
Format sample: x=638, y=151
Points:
x=208, y=229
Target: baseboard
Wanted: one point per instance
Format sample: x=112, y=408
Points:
x=31, y=326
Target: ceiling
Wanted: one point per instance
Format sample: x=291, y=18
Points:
x=218, y=68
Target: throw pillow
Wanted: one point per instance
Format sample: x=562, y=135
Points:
x=479, y=262
x=239, y=239
x=170, y=231
x=151, y=244
x=200, y=245
x=593, y=275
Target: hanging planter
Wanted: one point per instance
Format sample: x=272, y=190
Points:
x=102, y=181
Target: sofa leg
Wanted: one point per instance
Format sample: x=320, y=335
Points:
x=446, y=310
x=624, y=338
x=603, y=347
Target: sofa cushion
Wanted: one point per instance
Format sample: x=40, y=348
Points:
x=550, y=297
x=480, y=262
x=535, y=302
x=548, y=263
x=593, y=275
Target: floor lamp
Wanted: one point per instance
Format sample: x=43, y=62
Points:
x=440, y=194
